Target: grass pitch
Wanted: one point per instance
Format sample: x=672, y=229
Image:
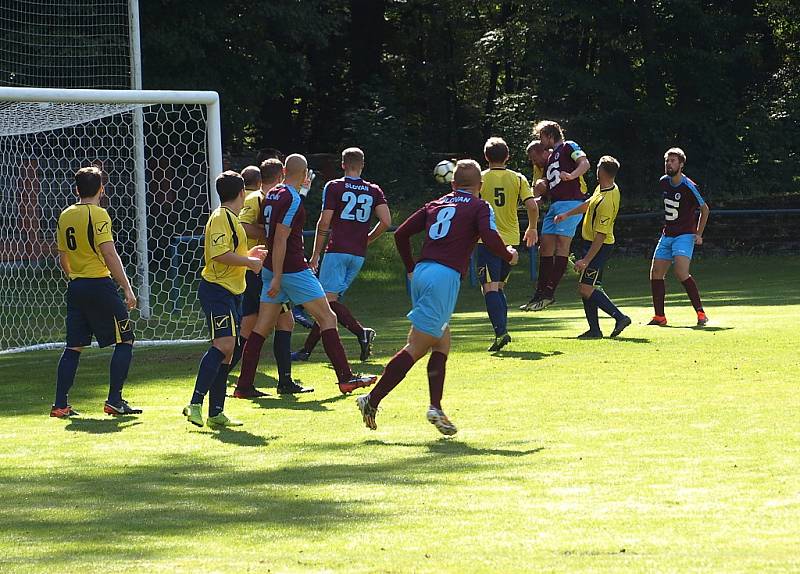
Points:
x=669, y=450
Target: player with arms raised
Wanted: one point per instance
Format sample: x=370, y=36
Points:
x=347, y=207
x=452, y=225
x=679, y=236
x=87, y=255
x=565, y=166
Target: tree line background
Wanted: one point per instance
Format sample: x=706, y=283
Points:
x=414, y=81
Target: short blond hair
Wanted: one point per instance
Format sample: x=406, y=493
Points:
x=676, y=151
x=609, y=165
x=353, y=155
x=534, y=145
x=467, y=173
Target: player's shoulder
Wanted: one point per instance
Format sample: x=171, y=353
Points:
x=689, y=182
x=98, y=211
x=573, y=144
x=254, y=196
x=664, y=178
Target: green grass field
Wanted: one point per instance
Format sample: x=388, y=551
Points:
x=669, y=450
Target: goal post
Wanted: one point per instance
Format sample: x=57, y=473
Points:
x=160, y=152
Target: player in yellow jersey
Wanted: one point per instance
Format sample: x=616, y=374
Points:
x=226, y=259
x=503, y=189
x=597, y=231
x=87, y=255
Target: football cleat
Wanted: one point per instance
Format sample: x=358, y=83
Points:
x=590, y=335
x=499, y=342
x=292, y=388
x=357, y=382
x=248, y=393
x=62, y=413
x=120, y=408
x=300, y=355
x=659, y=320
x=366, y=343
x=438, y=419
x=301, y=318
x=368, y=412
x=529, y=305
x=702, y=319
x=221, y=420
x=620, y=325
x=194, y=414
x=542, y=303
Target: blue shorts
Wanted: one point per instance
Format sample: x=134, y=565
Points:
x=491, y=268
x=338, y=271
x=593, y=274
x=669, y=247
x=95, y=308
x=252, y=293
x=434, y=292
x=300, y=287
x=568, y=226
x=223, y=309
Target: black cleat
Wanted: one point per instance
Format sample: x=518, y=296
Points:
x=590, y=335
x=366, y=343
x=500, y=342
x=292, y=388
x=619, y=327
x=120, y=408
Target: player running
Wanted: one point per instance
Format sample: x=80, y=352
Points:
x=679, y=236
x=503, y=189
x=597, y=231
x=347, y=207
x=452, y=225
x=286, y=275
x=565, y=166
x=87, y=255
x=220, y=293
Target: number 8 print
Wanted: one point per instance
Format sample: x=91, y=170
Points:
x=442, y=225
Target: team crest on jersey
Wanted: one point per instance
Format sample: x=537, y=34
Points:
x=557, y=155
x=677, y=195
x=217, y=239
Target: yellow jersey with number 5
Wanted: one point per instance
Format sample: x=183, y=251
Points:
x=504, y=189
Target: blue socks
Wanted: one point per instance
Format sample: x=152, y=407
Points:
x=216, y=395
x=590, y=310
x=282, y=349
x=120, y=363
x=209, y=367
x=67, y=367
x=495, y=306
x=601, y=300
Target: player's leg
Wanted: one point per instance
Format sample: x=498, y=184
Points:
x=591, y=288
x=250, y=307
x=218, y=389
x=79, y=335
x=266, y=319
x=563, y=231
x=335, y=283
x=662, y=259
x=547, y=251
x=282, y=349
x=681, y=270
x=305, y=289
x=436, y=373
x=491, y=275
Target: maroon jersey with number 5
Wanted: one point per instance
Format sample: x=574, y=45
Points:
x=353, y=201
x=680, y=203
x=564, y=157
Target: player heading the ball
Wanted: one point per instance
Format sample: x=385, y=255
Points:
x=452, y=225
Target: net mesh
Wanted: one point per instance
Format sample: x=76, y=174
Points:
x=36, y=184
x=65, y=43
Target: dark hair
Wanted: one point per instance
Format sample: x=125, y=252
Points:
x=252, y=177
x=229, y=184
x=270, y=169
x=496, y=150
x=88, y=180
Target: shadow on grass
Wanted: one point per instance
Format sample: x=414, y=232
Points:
x=291, y=402
x=455, y=447
x=240, y=437
x=101, y=426
x=525, y=355
x=698, y=328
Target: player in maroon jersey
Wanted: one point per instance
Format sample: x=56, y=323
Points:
x=348, y=204
x=682, y=231
x=286, y=276
x=452, y=225
x=565, y=166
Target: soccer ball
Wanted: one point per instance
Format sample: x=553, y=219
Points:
x=443, y=172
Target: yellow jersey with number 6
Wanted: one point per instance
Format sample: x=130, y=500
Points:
x=80, y=231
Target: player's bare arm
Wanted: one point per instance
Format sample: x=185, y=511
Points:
x=701, y=224
x=597, y=243
x=531, y=234
x=252, y=261
x=579, y=209
x=384, y=222
x=254, y=231
x=278, y=255
x=112, y=260
x=63, y=260
x=321, y=238
x=582, y=167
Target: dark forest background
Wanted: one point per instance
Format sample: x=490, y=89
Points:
x=413, y=81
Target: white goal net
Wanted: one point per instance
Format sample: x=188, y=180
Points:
x=158, y=195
